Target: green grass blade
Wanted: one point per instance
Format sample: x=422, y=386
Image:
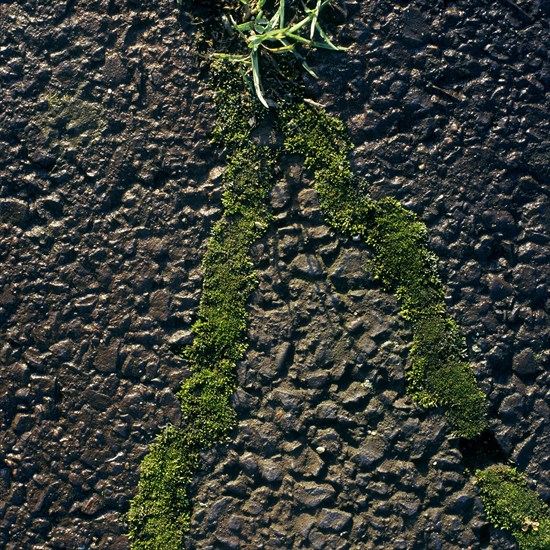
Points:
x=298, y=38
x=232, y=57
x=305, y=65
x=324, y=46
x=274, y=34
x=288, y=48
x=256, y=78
x=314, y=19
x=301, y=59
x=281, y=14
x=300, y=24
x=327, y=40
x=245, y=27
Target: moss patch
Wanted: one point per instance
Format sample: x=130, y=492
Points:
x=161, y=511
x=512, y=505
x=438, y=373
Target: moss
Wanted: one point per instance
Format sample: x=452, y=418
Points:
x=512, y=505
x=403, y=261
x=228, y=270
x=438, y=373
x=237, y=109
x=206, y=413
x=247, y=182
x=323, y=142
x=320, y=138
x=161, y=511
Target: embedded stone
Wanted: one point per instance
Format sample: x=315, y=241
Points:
x=106, y=358
x=369, y=454
x=525, y=363
x=307, y=266
x=13, y=211
x=313, y=495
x=334, y=520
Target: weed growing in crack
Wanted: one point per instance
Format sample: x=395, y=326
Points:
x=438, y=373
x=160, y=514
x=266, y=35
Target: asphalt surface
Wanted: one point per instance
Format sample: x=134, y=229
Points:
x=108, y=189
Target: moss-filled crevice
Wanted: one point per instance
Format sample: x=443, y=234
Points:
x=220, y=331
x=439, y=373
x=160, y=513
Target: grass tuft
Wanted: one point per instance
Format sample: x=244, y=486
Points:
x=269, y=34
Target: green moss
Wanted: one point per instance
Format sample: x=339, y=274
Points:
x=228, y=270
x=438, y=373
x=323, y=142
x=320, y=138
x=206, y=413
x=403, y=261
x=512, y=505
x=161, y=511
x=247, y=182
x=237, y=109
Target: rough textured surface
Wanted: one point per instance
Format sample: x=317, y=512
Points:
x=106, y=203
x=108, y=190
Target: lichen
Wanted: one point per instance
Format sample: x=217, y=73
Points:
x=71, y=120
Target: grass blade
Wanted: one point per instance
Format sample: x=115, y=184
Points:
x=299, y=38
x=243, y=27
x=327, y=40
x=301, y=59
x=288, y=48
x=232, y=57
x=260, y=33
x=300, y=24
x=256, y=78
x=281, y=14
x=314, y=20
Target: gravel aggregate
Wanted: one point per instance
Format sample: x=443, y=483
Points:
x=109, y=187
